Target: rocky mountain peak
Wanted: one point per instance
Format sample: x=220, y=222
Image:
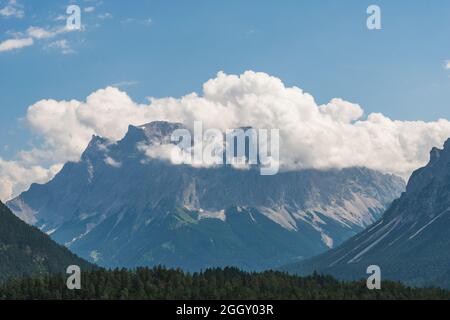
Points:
x=410, y=242
x=437, y=169
x=120, y=207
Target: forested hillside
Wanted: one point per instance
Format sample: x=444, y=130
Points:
x=25, y=251
x=228, y=283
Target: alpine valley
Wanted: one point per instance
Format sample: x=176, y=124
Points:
x=119, y=208
x=410, y=243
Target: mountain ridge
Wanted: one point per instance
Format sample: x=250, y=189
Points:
x=118, y=192
x=410, y=242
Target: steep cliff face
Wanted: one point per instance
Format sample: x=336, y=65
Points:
x=118, y=207
x=412, y=240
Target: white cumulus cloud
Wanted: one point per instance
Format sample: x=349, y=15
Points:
x=15, y=177
x=333, y=135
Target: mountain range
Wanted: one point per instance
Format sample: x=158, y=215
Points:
x=119, y=208
x=409, y=243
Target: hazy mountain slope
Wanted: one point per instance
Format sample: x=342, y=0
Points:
x=411, y=242
x=120, y=208
x=24, y=250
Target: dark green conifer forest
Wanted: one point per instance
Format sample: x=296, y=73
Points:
x=213, y=284
x=26, y=251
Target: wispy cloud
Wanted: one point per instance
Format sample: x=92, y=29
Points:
x=27, y=38
x=95, y=2
x=125, y=84
x=105, y=15
x=12, y=9
x=144, y=22
x=60, y=17
x=62, y=45
x=41, y=33
x=12, y=44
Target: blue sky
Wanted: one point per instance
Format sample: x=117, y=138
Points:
x=170, y=48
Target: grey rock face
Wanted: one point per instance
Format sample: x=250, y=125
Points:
x=412, y=240
x=117, y=207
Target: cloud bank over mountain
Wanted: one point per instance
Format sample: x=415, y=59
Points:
x=334, y=135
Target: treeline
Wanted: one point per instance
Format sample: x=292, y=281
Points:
x=228, y=283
